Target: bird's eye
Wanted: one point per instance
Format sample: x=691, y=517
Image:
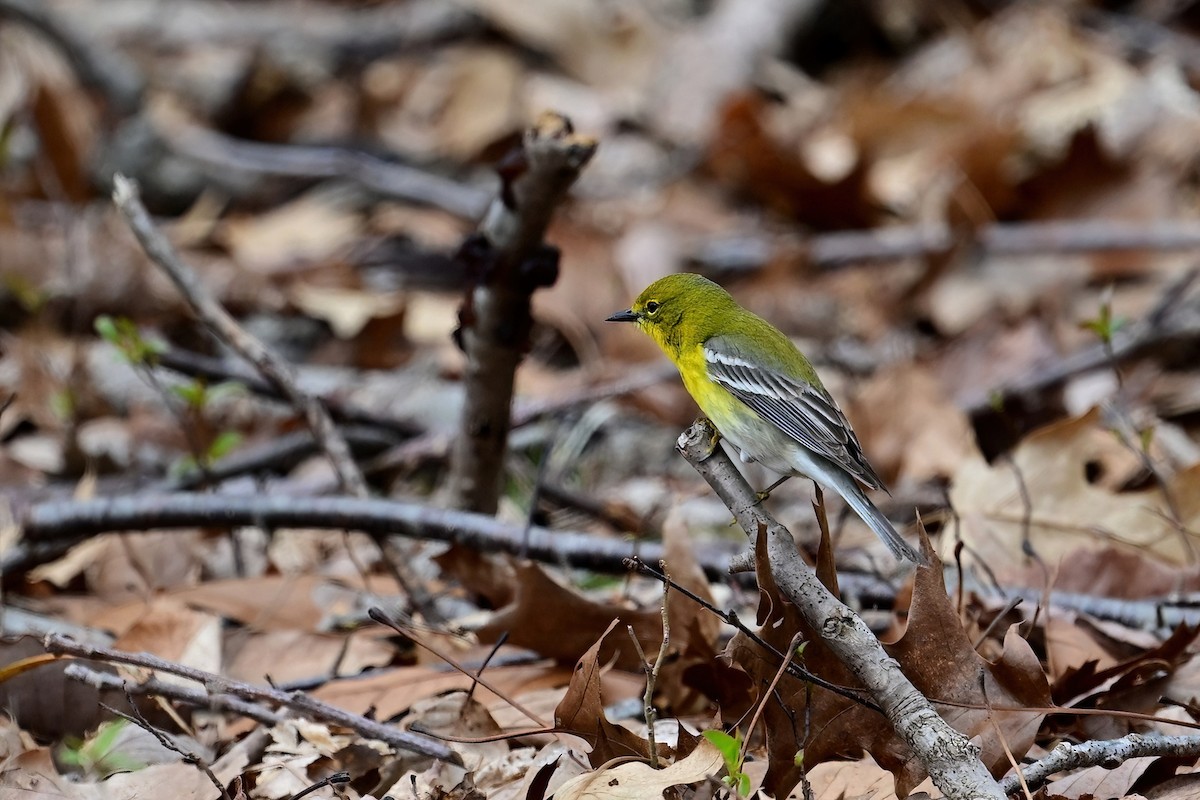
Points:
x=652, y=308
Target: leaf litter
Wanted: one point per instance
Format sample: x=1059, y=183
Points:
x=730, y=154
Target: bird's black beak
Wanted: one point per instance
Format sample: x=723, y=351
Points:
x=623, y=316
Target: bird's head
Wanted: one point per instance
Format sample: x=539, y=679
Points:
x=678, y=310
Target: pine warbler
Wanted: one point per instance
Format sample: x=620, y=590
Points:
x=759, y=391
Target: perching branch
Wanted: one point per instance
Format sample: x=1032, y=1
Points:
x=949, y=758
x=508, y=261
x=296, y=701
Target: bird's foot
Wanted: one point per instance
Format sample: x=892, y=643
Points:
x=762, y=496
x=714, y=436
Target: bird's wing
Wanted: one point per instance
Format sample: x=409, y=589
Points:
x=804, y=412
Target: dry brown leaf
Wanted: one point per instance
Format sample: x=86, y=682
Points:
x=936, y=655
x=581, y=711
x=346, y=310
x=1067, y=512
x=852, y=779
x=394, y=691
x=1099, y=782
x=311, y=229
x=1069, y=646
x=1134, y=684
x=172, y=631
x=34, y=775
x=292, y=655
x=910, y=426
x=558, y=623
x=637, y=781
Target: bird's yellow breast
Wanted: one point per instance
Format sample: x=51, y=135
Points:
x=757, y=439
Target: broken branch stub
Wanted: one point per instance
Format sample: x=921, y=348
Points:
x=507, y=261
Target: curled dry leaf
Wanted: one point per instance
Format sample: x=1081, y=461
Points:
x=581, y=712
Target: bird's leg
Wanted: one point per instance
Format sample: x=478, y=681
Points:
x=765, y=493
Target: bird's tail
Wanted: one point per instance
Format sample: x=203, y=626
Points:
x=874, y=518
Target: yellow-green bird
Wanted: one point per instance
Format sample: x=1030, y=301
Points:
x=759, y=391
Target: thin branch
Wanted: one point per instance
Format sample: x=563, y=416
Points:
x=270, y=366
x=1109, y=754
x=58, y=520
x=99, y=68
x=1174, y=318
x=733, y=620
x=226, y=328
x=384, y=178
x=949, y=758
x=296, y=701
x=173, y=691
x=167, y=742
x=831, y=250
x=196, y=365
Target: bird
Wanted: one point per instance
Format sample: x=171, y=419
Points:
x=760, y=392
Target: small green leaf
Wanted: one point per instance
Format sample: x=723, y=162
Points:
x=743, y=784
x=996, y=401
x=224, y=390
x=727, y=745
x=194, y=393
x=798, y=759
x=106, y=328
x=62, y=403
x=1147, y=437
x=122, y=333
x=222, y=445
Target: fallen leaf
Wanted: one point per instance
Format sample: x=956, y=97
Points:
x=1066, y=511
x=638, y=781
x=581, y=712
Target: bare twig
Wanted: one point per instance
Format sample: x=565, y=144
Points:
x=71, y=520
x=270, y=366
x=174, y=691
x=217, y=369
x=1173, y=318
x=297, y=701
x=510, y=262
x=653, y=670
x=99, y=68
x=322, y=32
x=949, y=758
x=388, y=179
x=383, y=618
x=166, y=741
x=1108, y=753
x=731, y=618
x=831, y=250
x=226, y=328
x=336, y=779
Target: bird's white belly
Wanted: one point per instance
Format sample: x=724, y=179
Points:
x=767, y=445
